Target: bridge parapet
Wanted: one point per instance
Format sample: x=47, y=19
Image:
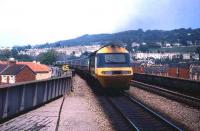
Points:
x=24, y=96
x=185, y=85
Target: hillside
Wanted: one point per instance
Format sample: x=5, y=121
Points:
x=150, y=36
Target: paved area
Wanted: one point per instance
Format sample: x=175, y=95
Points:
x=80, y=112
x=43, y=118
x=75, y=116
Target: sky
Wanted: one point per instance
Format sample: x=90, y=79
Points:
x=39, y=21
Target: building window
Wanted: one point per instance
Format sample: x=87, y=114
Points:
x=4, y=79
x=12, y=79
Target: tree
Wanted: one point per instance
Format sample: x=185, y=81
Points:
x=48, y=57
x=14, y=52
x=23, y=58
x=143, y=48
x=73, y=53
x=5, y=54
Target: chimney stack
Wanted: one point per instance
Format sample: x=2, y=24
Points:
x=11, y=61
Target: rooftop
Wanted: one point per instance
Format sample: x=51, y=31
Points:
x=13, y=70
x=2, y=67
x=36, y=67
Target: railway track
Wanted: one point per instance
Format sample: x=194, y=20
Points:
x=189, y=100
x=138, y=115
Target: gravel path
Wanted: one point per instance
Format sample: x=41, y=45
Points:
x=81, y=111
x=179, y=112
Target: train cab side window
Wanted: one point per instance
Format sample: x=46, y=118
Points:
x=92, y=61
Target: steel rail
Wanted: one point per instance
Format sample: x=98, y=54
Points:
x=123, y=115
x=152, y=112
x=184, y=98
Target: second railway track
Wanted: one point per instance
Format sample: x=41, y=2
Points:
x=189, y=100
x=138, y=115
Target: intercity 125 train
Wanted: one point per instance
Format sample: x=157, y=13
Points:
x=110, y=65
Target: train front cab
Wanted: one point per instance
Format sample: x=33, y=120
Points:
x=112, y=68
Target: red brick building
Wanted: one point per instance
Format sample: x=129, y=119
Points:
x=14, y=73
x=39, y=70
x=179, y=70
x=2, y=67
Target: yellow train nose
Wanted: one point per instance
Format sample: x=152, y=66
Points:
x=115, y=81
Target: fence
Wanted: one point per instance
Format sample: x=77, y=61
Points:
x=20, y=97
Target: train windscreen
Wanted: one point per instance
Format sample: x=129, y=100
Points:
x=113, y=60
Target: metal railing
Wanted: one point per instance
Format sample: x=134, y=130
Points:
x=24, y=96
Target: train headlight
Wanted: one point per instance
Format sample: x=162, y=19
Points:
x=107, y=72
x=126, y=72
x=115, y=72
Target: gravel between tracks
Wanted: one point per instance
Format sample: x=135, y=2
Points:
x=81, y=110
x=188, y=116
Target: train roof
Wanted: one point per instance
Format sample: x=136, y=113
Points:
x=103, y=49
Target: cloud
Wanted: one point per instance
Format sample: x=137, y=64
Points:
x=40, y=21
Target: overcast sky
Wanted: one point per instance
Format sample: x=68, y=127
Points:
x=38, y=21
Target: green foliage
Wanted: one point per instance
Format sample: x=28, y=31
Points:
x=21, y=48
x=144, y=48
x=6, y=54
x=48, y=58
x=14, y=52
x=24, y=58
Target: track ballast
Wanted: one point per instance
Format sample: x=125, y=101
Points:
x=138, y=115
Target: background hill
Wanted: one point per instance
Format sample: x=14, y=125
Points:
x=150, y=36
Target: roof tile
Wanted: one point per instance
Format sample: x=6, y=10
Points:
x=36, y=67
x=13, y=70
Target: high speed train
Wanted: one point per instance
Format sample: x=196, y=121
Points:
x=110, y=66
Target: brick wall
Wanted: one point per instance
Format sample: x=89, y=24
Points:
x=172, y=71
x=184, y=73
x=41, y=76
x=25, y=75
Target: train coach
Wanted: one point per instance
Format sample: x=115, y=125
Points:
x=110, y=65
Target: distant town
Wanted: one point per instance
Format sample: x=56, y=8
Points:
x=174, y=53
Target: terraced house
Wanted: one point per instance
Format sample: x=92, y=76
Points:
x=13, y=72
